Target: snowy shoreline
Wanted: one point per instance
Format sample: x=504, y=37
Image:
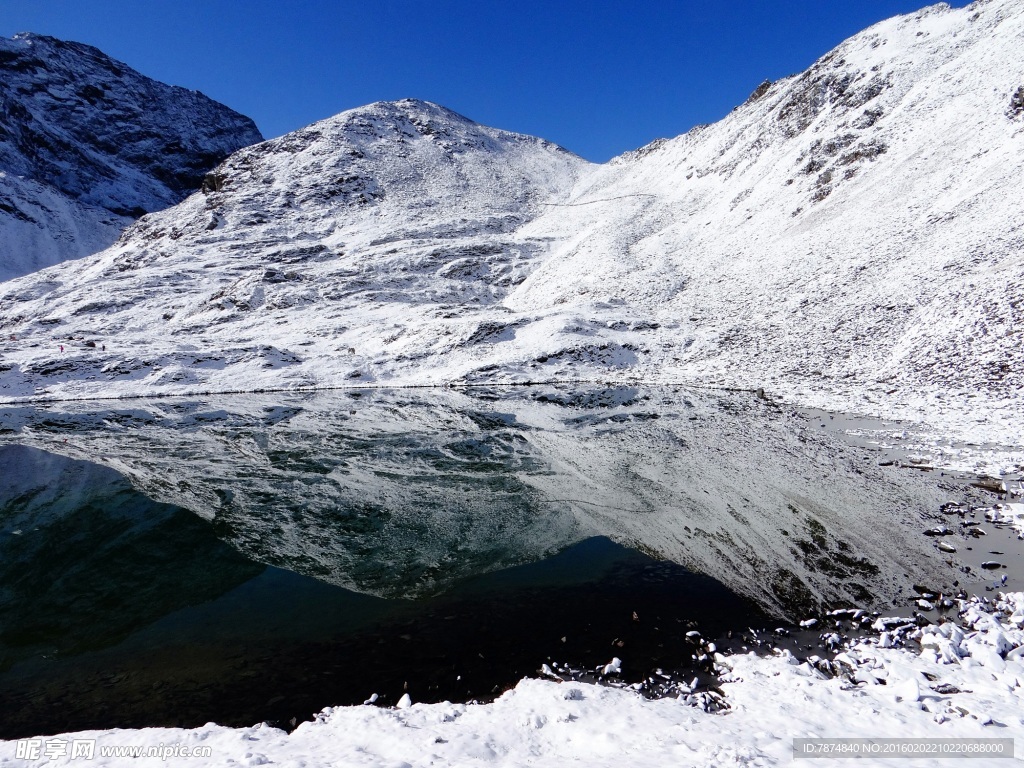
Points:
x=966, y=682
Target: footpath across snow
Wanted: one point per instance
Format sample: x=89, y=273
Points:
x=956, y=680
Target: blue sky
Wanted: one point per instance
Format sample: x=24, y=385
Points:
x=599, y=77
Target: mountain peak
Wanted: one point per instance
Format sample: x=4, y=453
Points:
x=401, y=168
x=87, y=144
x=405, y=119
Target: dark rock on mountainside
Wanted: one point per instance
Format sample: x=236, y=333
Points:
x=760, y=91
x=1017, y=103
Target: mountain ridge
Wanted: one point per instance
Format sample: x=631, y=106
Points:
x=88, y=144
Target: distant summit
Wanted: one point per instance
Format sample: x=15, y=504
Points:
x=417, y=163
x=87, y=144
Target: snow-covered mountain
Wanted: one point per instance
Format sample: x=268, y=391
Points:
x=850, y=237
x=337, y=236
x=87, y=145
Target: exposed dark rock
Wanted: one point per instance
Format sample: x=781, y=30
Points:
x=868, y=118
x=490, y=332
x=867, y=151
x=213, y=182
x=1016, y=103
x=760, y=91
x=826, y=86
x=987, y=483
x=833, y=147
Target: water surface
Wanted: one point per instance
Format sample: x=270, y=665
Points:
x=257, y=558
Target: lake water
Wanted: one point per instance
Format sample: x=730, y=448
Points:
x=243, y=559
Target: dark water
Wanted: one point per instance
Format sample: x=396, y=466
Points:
x=177, y=562
x=281, y=645
x=119, y=611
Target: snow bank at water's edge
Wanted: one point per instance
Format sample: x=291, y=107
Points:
x=965, y=682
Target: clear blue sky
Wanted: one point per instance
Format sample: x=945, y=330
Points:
x=598, y=76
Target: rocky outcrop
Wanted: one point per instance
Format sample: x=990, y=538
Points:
x=1016, y=103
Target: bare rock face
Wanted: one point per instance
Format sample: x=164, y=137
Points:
x=1016, y=103
x=87, y=145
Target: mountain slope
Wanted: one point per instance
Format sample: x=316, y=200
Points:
x=297, y=250
x=855, y=228
x=88, y=144
x=848, y=238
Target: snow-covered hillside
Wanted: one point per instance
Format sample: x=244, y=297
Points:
x=389, y=223
x=849, y=238
x=87, y=145
x=852, y=236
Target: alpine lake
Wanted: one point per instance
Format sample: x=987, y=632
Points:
x=241, y=559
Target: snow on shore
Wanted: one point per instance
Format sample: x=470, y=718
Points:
x=965, y=682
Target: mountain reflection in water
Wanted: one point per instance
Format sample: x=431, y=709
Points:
x=257, y=558
x=404, y=493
